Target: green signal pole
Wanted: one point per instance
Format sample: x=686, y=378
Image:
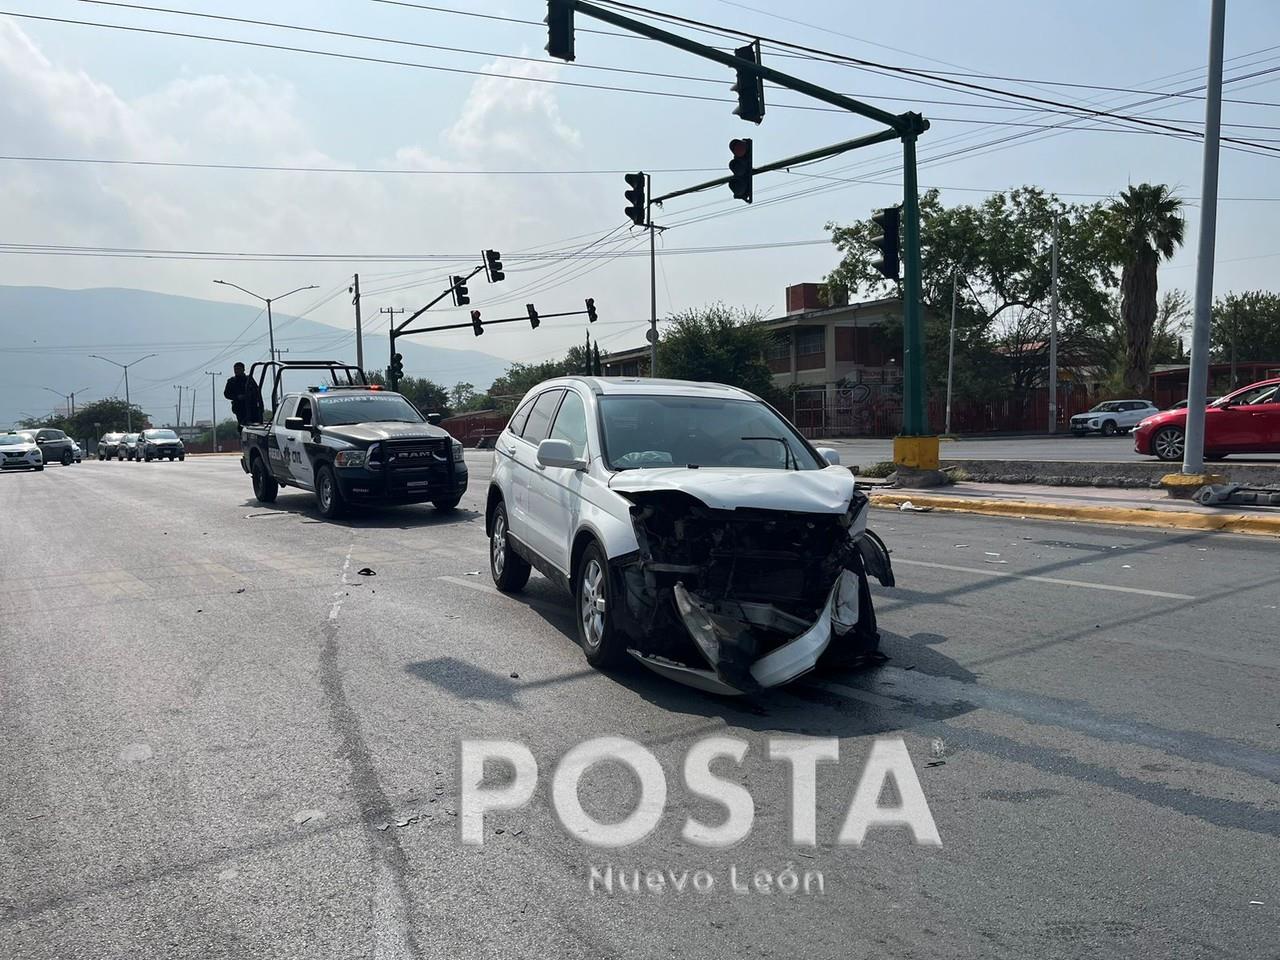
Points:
x=916, y=447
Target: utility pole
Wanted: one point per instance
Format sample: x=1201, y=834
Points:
x=128, y=406
x=192, y=421
x=1198, y=378
x=653, y=283
x=355, y=289
x=951, y=350
x=177, y=417
x=1053, y=333
x=213, y=405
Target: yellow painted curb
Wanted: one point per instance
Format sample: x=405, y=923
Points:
x=1130, y=516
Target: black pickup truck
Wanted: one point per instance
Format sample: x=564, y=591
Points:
x=352, y=443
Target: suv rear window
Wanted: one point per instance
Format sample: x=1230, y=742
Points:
x=544, y=408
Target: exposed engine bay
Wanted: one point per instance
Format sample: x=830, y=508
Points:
x=735, y=600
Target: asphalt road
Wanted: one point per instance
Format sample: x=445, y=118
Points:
x=217, y=739
x=1075, y=449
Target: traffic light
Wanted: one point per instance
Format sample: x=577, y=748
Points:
x=533, y=316
x=635, y=198
x=591, y=309
x=493, y=266
x=397, y=367
x=740, y=168
x=750, y=86
x=559, y=23
x=461, y=296
x=476, y=325
x=888, y=222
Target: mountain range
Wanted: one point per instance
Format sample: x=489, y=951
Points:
x=47, y=335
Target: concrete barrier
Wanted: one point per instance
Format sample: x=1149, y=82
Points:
x=1120, y=473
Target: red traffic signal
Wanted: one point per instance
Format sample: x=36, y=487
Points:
x=533, y=316
x=740, y=168
x=591, y=309
x=476, y=325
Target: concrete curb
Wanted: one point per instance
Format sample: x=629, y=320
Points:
x=1129, y=516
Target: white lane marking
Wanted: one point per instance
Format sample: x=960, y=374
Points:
x=1111, y=587
x=341, y=593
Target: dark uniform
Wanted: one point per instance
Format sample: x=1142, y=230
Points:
x=246, y=399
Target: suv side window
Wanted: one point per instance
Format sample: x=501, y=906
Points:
x=544, y=408
x=286, y=410
x=516, y=424
x=571, y=424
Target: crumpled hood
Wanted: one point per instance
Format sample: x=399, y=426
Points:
x=371, y=432
x=729, y=488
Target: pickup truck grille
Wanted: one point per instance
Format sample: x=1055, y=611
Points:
x=414, y=465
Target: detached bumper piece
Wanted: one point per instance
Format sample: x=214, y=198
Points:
x=723, y=634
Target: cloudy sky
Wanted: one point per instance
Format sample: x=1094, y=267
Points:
x=459, y=150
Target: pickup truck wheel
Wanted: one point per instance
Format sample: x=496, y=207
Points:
x=1109, y=428
x=328, y=496
x=510, y=571
x=265, y=487
x=447, y=504
x=600, y=641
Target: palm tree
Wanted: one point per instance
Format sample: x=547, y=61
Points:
x=1149, y=222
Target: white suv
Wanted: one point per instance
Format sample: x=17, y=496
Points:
x=695, y=528
x=1112, y=416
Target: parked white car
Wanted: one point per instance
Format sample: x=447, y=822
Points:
x=695, y=528
x=1112, y=416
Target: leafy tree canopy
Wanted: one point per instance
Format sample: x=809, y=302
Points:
x=717, y=343
x=1252, y=320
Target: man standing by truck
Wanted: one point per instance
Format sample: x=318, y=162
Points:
x=245, y=397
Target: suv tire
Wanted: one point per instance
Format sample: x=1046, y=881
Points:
x=1109, y=428
x=68, y=458
x=592, y=604
x=509, y=570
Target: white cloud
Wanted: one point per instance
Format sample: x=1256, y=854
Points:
x=510, y=116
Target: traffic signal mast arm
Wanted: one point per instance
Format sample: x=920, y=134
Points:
x=417, y=313
x=810, y=155
x=904, y=124
x=523, y=318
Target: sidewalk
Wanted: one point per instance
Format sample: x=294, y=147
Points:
x=1134, y=507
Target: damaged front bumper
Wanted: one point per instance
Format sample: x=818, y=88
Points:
x=734, y=619
x=718, y=635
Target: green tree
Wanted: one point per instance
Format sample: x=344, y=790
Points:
x=1248, y=321
x=1148, y=227
x=427, y=395
x=461, y=394
x=717, y=343
x=110, y=415
x=1000, y=254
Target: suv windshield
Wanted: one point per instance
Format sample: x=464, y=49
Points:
x=665, y=431
x=160, y=435
x=366, y=408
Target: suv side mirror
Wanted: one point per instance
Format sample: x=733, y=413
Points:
x=831, y=456
x=558, y=453
x=294, y=423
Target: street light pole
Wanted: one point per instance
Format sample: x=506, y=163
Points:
x=213, y=405
x=1198, y=377
x=1053, y=333
x=128, y=406
x=271, y=332
x=69, y=397
x=951, y=351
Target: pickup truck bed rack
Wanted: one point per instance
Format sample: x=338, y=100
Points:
x=340, y=374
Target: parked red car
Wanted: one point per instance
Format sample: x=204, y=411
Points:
x=1246, y=421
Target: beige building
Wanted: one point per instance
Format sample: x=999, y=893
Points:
x=815, y=345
